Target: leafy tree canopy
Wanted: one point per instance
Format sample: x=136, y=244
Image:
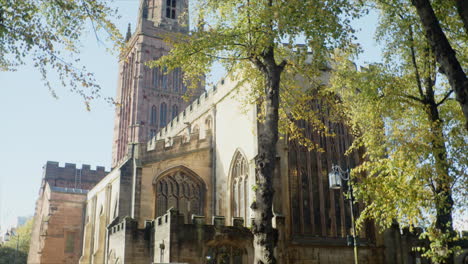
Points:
x=239, y=33
x=247, y=37
x=21, y=240
x=404, y=115
x=49, y=32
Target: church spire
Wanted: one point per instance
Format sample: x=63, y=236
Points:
x=129, y=33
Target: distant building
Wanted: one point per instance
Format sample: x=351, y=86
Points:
x=57, y=229
x=22, y=220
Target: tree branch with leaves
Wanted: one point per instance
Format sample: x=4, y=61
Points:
x=247, y=36
x=49, y=33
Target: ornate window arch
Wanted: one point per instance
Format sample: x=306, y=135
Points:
x=181, y=189
x=239, y=186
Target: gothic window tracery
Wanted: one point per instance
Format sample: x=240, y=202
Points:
x=181, y=191
x=317, y=209
x=239, y=189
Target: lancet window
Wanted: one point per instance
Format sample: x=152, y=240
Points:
x=164, y=79
x=156, y=76
x=163, y=115
x=240, y=187
x=176, y=81
x=181, y=191
x=153, y=115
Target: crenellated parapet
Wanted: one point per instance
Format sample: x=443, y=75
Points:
x=186, y=119
x=163, y=149
x=70, y=176
x=127, y=243
x=174, y=239
x=126, y=224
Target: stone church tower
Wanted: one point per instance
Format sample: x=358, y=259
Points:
x=149, y=98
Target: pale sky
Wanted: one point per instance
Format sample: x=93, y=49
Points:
x=37, y=127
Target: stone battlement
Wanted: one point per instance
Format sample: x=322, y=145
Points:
x=199, y=106
x=69, y=176
x=125, y=224
x=84, y=167
x=162, y=148
x=173, y=217
x=175, y=142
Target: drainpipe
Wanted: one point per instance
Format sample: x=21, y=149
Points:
x=213, y=162
x=134, y=181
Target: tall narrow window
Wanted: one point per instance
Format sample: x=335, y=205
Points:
x=175, y=80
x=153, y=116
x=171, y=9
x=156, y=78
x=163, y=115
x=184, y=86
x=164, y=79
x=239, y=186
x=152, y=133
x=175, y=111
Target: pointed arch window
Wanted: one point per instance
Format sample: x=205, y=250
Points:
x=182, y=191
x=163, y=115
x=156, y=76
x=239, y=186
x=153, y=116
x=171, y=9
x=164, y=78
x=175, y=111
x=176, y=80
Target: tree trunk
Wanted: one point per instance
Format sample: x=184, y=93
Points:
x=443, y=181
x=462, y=8
x=444, y=53
x=265, y=237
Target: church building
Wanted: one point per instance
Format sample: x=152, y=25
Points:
x=183, y=172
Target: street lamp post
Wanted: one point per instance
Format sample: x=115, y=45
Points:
x=335, y=177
